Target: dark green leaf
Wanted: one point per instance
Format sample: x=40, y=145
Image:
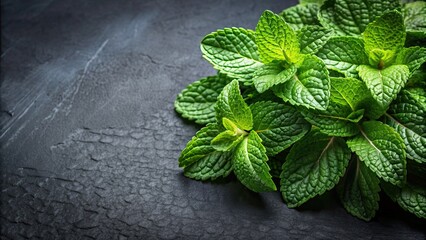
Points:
x=313, y=166
x=407, y=115
x=411, y=198
x=301, y=15
x=197, y=100
x=272, y=74
x=232, y=51
x=278, y=125
x=382, y=150
x=351, y=17
x=310, y=87
x=313, y=38
x=344, y=54
x=359, y=191
x=384, y=84
x=200, y=160
x=413, y=57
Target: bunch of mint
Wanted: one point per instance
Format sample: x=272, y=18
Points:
x=325, y=94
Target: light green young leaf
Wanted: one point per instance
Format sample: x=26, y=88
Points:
x=250, y=167
x=271, y=74
x=230, y=104
x=344, y=54
x=407, y=114
x=359, y=191
x=310, y=87
x=313, y=166
x=313, y=38
x=387, y=32
x=380, y=58
x=384, y=84
x=410, y=197
x=278, y=125
x=301, y=15
x=226, y=141
x=351, y=17
x=197, y=100
x=413, y=57
x=275, y=39
x=200, y=160
x=229, y=125
x=232, y=51
x=415, y=15
x=382, y=150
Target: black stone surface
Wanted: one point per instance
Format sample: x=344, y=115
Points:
x=90, y=140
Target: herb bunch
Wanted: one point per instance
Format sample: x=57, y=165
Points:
x=324, y=94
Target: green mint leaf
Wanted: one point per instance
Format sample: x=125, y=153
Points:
x=313, y=38
x=407, y=115
x=301, y=15
x=357, y=95
x=226, y=141
x=275, y=39
x=232, y=51
x=344, y=55
x=413, y=57
x=272, y=74
x=410, y=197
x=351, y=17
x=310, y=87
x=230, y=104
x=384, y=84
x=229, y=125
x=417, y=79
x=278, y=125
x=211, y=167
x=415, y=15
x=359, y=191
x=387, y=32
x=352, y=90
x=381, y=58
x=382, y=150
x=318, y=2
x=338, y=119
x=199, y=146
x=197, y=100
x=250, y=167
x=313, y=166
x=201, y=161
x=344, y=110
x=275, y=164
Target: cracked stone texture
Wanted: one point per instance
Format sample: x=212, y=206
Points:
x=89, y=139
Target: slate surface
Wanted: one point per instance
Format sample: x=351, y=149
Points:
x=90, y=141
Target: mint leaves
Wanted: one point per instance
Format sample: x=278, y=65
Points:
x=232, y=51
x=275, y=39
x=326, y=94
x=309, y=173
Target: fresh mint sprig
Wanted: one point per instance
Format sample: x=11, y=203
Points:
x=333, y=90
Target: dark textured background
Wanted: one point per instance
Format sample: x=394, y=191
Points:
x=90, y=140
